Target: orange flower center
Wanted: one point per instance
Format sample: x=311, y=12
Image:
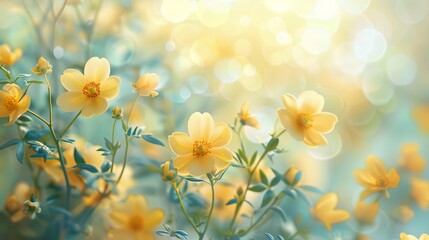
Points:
x=91, y=89
x=304, y=120
x=10, y=103
x=382, y=182
x=136, y=223
x=201, y=148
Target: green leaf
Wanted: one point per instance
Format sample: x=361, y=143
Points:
x=20, y=149
x=243, y=156
x=268, y=197
x=25, y=118
x=272, y=145
x=311, y=189
x=232, y=201
x=9, y=143
x=257, y=188
x=304, y=197
x=280, y=212
x=151, y=139
x=35, y=134
x=87, y=167
x=78, y=157
x=237, y=165
x=269, y=236
x=252, y=160
x=34, y=82
x=291, y=193
x=264, y=178
x=275, y=180
x=192, y=179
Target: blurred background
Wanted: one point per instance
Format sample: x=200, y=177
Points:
x=367, y=58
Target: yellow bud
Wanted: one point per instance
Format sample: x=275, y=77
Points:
x=117, y=113
x=42, y=67
x=168, y=175
x=292, y=176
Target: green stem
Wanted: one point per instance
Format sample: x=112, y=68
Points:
x=113, y=140
x=50, y=99
x=184, y=209
x=39, y=117
x=7, y=73
x=70, y=123
x=211, y=207
x=127, y=143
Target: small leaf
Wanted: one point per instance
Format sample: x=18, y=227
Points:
x=272, y=145
x=275, y=180
x=34, y=82
x=304, y=197
x=269, y=236
x=264, y=178
x=107, y=164
x=242, y=155
x=151, y=139
x=280, y=237
x=257, y=188
x=232, y=201
x=252, y=160
x=280, y=212
x=25, y=118
x=78, y=157
x=20, y=152
x=35, y=134
x=311, y=189
x=291, y=193
x=268, y=196
x=192, y=179
x=67, y=140
x=162, y=233
x=87, y=167
x=237, y=165
x=9, y=143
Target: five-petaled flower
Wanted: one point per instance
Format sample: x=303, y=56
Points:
x=146, y=85
x=324, y=211
x=8, y=57
x=376, y=178
x=203, y=150
x=90, y=91
x=304, y=120
x=12, y=104
x=133, y=220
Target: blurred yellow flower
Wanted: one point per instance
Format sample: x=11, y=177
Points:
x=11, y=103
x=375, y=177
x=14, y=204
x=324, y=211
x=292, y=176
x=203, y=150
x=411, y=158
x=421, y=116
x=117, y=113
x=167, y=173
x=90, y=91
x=304, y=120
x=42, y=67
x=146, y=85
x=246, y=118
x=404, y=236
x=7, y=57
x=133, y=220
x=403, y=213
x=420, y=192
x=365, y=213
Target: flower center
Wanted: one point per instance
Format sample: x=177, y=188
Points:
x=136, y=223
x=201, y=148
x=91, y=89
x=382, y=182
x=10, y=103
x=304, y=120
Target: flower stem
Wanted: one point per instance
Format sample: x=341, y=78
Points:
x=7, y=73
x=70, y=123
x=49, y=98
x=211, y=207
x=39, y=117
x=184, y=210
x=113, y=140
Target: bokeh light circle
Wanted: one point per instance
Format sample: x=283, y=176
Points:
x=401, y=69
x=369, y=45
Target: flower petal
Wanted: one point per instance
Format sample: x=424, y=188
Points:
x=288, y=121
x=180, y=143
x=222, y=157
x=324, y=122
x=366, y=193
x=118, y=219
x=200, y=126
x=97, y=69
x=364, y=178
x=73, y=80
x=181, y=161
x=326, y=203
x=21, y=108
x=94, y=107
x=13, y=89
x=313, y=138
x=204, y=165
x=154, y=218
x=221, y=135
x=4, y=112
x=375, y=166
x=336, y=216
x=71, y=101
x=289, y=102
x=310, y=102
x=110, y=87
x=393, y=177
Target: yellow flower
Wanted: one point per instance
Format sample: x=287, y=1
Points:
x=411, y=158
x=117, y=113
x=324, y=211
x=375, y=177
x=421, y=116
x=246, y=118
x=202, y=151
x=404, y=236
x=292, y=176
x=420, y=192
x=146, y=85
x=90, y=91
x=42, y=67
x=167, y=173
x=7, y=57
x=304, y=120
x=11, y=103
x=365, y=213
x=132, y=219
x=403, y=213
x=14, y=204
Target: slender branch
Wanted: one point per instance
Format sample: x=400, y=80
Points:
x=184, y=209
x=50, y=99
x=211, y=207
x=70, y=123
x=113, y=140
x=39, y=117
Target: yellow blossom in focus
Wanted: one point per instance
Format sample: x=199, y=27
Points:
x=404, y=236
x=7, y=57
x=304, y=120
x=42, y=67
x=421, y=116
x=146, y=85
x=203, y=150
x=365, y=213
x=403, y=213
x=133, y=219
x=11, y=103
x=90, y=91
x=411, y=158
x=375, y=177
x=246, y=118
x=324, y=211
x=14, y=204
x=420, y=192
